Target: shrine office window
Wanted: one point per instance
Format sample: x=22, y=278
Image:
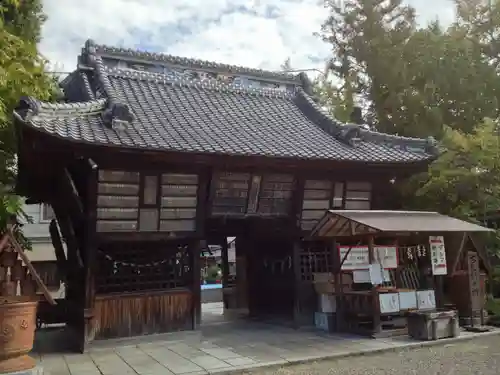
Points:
x=358, y=196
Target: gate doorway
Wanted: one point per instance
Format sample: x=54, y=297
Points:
x=257, y=273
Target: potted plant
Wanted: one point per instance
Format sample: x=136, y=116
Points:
x=17, y=313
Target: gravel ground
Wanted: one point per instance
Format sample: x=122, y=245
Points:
x=478, y=356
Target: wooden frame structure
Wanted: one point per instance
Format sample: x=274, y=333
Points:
x=151, y=158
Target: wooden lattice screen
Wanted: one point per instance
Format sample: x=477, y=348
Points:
x=139, y=268
x=314, y=259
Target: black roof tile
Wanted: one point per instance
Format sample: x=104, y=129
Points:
x=155, y=111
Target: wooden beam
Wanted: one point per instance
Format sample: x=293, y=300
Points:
x=344, y=258
x=61, y=261
x=459, y=253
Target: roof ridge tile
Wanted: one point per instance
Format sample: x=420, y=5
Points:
x=191, y=62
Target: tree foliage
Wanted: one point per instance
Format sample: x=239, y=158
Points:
x=414, y=80
x=21, y=73
x=465, y=180
x=424, y=81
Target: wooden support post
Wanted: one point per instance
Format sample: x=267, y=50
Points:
x=90, y=252
x=377, y=326
x=201, y=216
x=339, y=291
x=225, y=269
x=297, y=287
x=242, y=290
x=196, y=282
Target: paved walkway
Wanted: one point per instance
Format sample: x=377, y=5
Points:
x=216, y=349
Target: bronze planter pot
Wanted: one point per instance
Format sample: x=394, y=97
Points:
x=17, y=333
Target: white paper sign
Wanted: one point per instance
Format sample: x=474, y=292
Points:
x=358, y=258
x=438, y=255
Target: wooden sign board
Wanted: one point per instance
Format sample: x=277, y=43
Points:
x=474, y=282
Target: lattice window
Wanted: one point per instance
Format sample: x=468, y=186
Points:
x=146, y=202
x=276, y=192
x=130, y=268
x=117, y=201
x=314, y=258
x=243, y=193
x=230, y=192
x=179, y=199
x=317, y=198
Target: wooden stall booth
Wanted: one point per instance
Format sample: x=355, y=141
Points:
x=388, y=264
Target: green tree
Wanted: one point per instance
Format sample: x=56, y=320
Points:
x=366, y=37
x=414, y=80
x=423, y=81
x=480, y=20
x=21, y=73
x=465, y=180
x=23, y=18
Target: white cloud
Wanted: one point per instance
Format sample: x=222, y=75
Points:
x=252, y=33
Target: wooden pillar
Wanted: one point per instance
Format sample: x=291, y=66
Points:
x=196, y=250
x=225, y=269
x=297, y=287
x=339, y=291
x=90, y=250
x=377, y=326
x=201, y=217
x=241, y=273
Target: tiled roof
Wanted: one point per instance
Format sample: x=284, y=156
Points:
x=126, y=108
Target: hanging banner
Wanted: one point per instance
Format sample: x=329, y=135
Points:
x=358, y=258
x=438, y=255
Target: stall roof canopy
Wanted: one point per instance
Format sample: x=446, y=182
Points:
x=130, y=99
x=346, y=223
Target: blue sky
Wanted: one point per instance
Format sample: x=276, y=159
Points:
x=252, y=33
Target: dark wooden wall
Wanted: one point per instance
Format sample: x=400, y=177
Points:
x=136, y=314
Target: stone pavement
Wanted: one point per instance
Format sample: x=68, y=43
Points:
x=218, y=348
